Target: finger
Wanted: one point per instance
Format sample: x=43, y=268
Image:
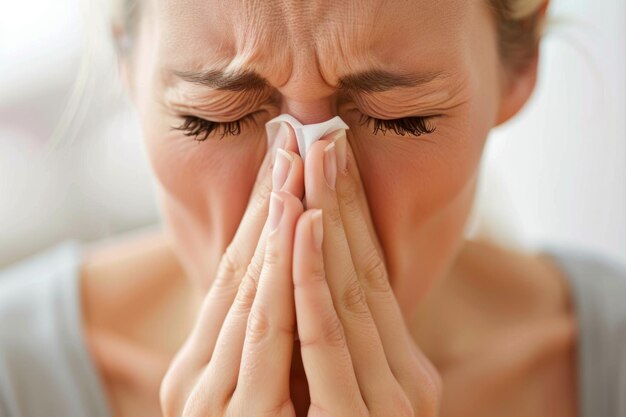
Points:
x=239, y=254
x=325, y=355
x=268, y=347
x=218, y=381
x=413, y=371
x=347, y=165
x=368, y=356
x=199, y=345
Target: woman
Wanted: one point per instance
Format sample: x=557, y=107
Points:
x=338, y=285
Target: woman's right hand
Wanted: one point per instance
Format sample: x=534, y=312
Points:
x=237, y=358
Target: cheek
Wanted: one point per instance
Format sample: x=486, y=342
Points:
x=409, y=180
x=206, y=185
x=209, y=181
x=419, y=192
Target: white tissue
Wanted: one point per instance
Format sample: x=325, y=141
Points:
x=306, y=135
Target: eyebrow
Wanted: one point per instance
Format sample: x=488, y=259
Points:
x=220, y=80
x=369, y=81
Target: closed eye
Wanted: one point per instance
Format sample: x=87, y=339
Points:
x=200, y=129
x=414, y=126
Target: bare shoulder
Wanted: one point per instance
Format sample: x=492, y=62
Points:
x=135, y=299
x=141, y=255
x=510, y=335
x=134, y=289
x=529, y=280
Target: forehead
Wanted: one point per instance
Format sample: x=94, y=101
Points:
x=332, y=38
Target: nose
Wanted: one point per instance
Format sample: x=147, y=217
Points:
x=310, y=111
x=307, y=96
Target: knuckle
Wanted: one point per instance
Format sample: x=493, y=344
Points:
x=261, y=326
x=258, y=327
x=229, y=264
x=228, y=271
x=354, y=300
x=330, y=334
x=315, y=278
x=317, y=274
x=334, y=215
x=246, y=293
x=272, y=257
x=348, y=194
x=374, y=274
x=255, y=267
x=333, y=334
x=260, y=197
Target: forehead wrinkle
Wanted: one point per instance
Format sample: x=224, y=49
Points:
x=316, y=39
x=343, y=43
x=259, y=40
x=389, y=35
x=288, y=37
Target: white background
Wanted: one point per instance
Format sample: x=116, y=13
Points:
x=554, y=175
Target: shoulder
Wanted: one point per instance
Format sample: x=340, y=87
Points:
x=513, y=332
x=527, y=280
x=44, y=369
x=125, y=271
x=598, y=288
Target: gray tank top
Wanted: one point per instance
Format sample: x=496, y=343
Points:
x=46, y=369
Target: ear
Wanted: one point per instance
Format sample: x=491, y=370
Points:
x=124, y=59
x=518, y=86
x=516, y=90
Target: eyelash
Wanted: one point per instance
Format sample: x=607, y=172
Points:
x=201, y=129
x=414, y=126
x=197, y=127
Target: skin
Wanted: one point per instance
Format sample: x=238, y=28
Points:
x=401, y=202
x=409, y=214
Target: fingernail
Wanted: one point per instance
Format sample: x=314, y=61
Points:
x=282, y=166
x=280, y=138
x=318, y=229
x=282, y=134
x=276, y=211
x=330, y=165
x=340, y=144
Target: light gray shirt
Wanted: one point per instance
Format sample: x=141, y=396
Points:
x=46, y=369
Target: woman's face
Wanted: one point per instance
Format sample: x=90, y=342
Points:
x=311, y=58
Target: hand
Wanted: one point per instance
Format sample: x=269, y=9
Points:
x=358, y=355
x=237, y=358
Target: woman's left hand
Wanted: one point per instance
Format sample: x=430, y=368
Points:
x=358, y=355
